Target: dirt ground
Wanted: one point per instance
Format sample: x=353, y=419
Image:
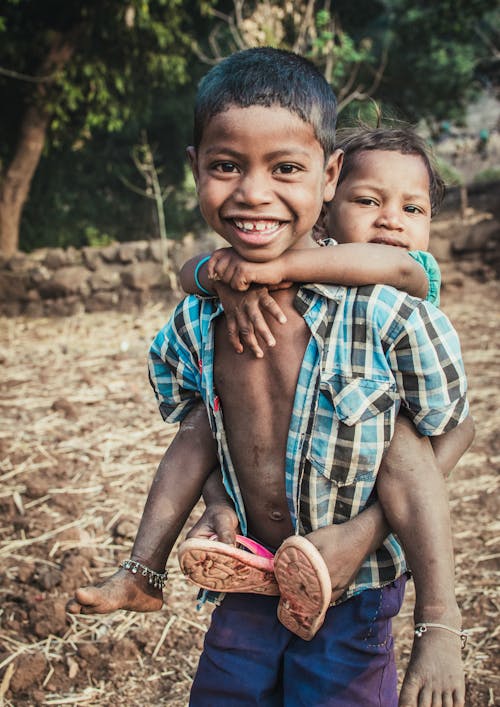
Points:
x=80, y=438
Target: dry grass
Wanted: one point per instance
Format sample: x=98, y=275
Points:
x=80, y=438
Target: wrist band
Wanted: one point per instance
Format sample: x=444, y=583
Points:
x=157, y=579
x=196, y=275
x=422, y=628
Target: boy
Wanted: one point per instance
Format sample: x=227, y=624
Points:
x=264, y=164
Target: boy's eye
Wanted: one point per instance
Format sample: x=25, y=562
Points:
x=287, y=169
x=226, y=167
x=366, y=201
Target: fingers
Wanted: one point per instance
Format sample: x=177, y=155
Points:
x=252, y=324
x=225, y=526
x=233, y=332
x=270, y=305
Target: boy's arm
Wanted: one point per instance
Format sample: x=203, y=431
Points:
x=219, y=517
x=450, y=447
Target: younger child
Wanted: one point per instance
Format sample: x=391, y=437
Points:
x=264, y=202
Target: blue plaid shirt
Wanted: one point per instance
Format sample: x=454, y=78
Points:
x=371, y=350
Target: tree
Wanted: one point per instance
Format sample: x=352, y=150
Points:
x=354, y=68
x=436, y=54
x=67, y=69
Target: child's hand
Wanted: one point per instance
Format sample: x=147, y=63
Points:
x=227, y=266
x=244, y=316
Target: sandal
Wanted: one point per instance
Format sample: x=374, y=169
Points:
x=305, y=586
x=214, y=565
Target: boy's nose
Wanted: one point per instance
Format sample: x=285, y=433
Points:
x=253, y=190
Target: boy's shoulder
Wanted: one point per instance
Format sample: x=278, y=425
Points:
x=389, y=310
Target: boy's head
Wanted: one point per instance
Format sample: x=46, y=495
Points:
x=268, y=77
x=264, y=159
x=387, y=191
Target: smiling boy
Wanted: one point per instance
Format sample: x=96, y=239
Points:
x=301, y=432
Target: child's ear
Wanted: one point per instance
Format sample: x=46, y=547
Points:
x=332, y=172
x=193, y=161
x=319, y=231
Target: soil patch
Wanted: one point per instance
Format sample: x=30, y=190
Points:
x=80, y=439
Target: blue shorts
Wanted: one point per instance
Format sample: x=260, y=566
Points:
x=249, y=658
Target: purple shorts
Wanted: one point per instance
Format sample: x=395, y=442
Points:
x=249, y=658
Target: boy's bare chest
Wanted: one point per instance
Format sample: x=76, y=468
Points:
x=267, y=382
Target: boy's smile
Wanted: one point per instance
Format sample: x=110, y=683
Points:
x=384, y=199
x=261, y=179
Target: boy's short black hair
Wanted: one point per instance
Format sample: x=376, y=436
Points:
x=404, y=140
x=268, y=77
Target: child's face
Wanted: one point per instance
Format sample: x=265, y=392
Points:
x=384, y=199
x=261, y=179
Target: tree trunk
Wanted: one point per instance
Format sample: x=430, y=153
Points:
x=15, y=183
x=17, y=179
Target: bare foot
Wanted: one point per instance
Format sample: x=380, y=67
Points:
x=435, y=672
x=123, y=590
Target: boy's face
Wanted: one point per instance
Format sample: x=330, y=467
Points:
x=384, y=199
x=261, y=179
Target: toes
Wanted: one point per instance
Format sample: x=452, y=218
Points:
x=73, y=607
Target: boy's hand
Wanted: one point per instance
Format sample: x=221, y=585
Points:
x=218, y=519
x=227, y=266
x=435, y=676
x=245, y=320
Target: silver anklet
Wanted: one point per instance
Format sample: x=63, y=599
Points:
x=157, y=579
x=420, y=629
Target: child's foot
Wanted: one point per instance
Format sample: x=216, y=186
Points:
x=305, y=586
x=123, y=590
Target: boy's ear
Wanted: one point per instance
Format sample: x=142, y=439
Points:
x=332, y=172
x=193, y=161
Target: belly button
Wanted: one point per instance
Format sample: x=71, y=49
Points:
x=276, y=515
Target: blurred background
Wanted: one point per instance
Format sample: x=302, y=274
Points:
x=96, y=98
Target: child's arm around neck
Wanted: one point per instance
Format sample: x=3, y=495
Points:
x=347, y=264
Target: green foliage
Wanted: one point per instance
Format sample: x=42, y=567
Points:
x=132, y=69
x=451, y=176
x=434, y=55
x=95, y=238
x=492, y=174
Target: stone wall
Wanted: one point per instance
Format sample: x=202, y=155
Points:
x=125, y=276
x=121, y=276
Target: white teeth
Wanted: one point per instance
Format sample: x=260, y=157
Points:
x=259, y=226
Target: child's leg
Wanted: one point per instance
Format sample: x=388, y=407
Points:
x=412, y=492
x=175, y=490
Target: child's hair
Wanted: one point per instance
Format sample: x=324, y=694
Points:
x=268, y=77
x=404, y=140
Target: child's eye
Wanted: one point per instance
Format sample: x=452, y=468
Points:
x=366, y=201
x=226, y=167
x=412, y=209
x=287, y=169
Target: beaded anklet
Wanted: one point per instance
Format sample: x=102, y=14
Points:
x=422, y=628
x=157, y=579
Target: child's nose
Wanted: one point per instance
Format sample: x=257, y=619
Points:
x=390, y=217
x=253, y=189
